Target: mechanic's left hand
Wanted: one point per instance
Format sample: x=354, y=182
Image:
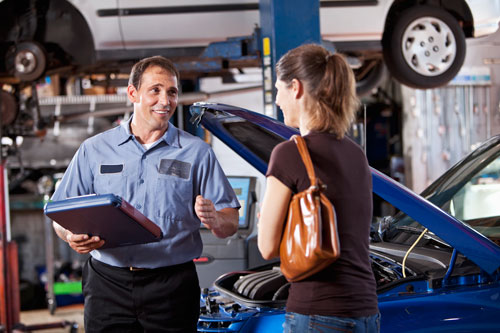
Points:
x=205, y=210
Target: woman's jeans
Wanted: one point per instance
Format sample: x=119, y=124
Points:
x=299, y=323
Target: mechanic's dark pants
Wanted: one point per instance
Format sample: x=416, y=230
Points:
x=165, y=299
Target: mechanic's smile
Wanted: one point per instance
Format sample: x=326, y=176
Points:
x=162, y=110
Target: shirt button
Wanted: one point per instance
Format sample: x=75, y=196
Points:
x=139, y=206
x=141, y=181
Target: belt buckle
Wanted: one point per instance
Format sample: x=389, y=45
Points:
x=135, y=269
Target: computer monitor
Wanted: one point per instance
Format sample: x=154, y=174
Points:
x=244, y=187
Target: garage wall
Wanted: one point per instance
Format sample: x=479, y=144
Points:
x=440, y=126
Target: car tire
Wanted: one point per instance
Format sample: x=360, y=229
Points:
x=370, y=76
x=424, y=47
x=27, y=60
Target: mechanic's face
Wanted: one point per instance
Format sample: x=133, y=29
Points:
x=285, y=99
x=156, y=99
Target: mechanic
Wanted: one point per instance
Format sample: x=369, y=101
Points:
x=316, y=91
x=174, y=179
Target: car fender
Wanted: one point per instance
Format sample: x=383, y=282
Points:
x=105, y=28
x=486, y=16
x=474, y=310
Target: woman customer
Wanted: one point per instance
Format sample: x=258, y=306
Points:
x=316, y=92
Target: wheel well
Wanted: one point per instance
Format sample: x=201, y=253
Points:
x=70, y=31
x=56, y=24
x=457, y=8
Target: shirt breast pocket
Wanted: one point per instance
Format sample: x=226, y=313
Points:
x=111, y=179
x=174, y=197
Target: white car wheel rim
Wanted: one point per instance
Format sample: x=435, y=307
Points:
x=429, y=46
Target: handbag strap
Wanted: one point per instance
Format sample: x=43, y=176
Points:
x=306, y=158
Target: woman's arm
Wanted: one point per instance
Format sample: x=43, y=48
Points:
x=272, y=216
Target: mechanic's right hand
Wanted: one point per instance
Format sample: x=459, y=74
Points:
x=82, y=243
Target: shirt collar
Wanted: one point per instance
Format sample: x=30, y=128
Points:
x=171, y=136
x=124, y=134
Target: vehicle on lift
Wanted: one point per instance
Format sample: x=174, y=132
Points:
x=438, y=274
x=423, y=42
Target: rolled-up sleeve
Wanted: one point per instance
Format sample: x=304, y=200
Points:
x=213, y=183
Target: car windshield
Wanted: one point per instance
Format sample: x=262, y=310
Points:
x=470, y=192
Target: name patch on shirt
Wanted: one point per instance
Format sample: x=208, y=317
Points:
x=111, y=168
x=174, y=168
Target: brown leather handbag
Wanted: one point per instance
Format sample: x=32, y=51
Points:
x=310, y=241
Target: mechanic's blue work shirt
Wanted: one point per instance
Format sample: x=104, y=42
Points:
x=161, y=182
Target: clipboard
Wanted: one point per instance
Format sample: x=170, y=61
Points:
x=108, y=216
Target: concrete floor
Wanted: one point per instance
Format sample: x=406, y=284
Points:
x=70, y=313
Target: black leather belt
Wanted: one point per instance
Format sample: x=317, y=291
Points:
x=135, y=269
x=138, y=269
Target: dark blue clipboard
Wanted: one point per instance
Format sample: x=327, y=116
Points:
x=107, y=216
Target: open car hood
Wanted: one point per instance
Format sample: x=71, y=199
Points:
x=253, y=136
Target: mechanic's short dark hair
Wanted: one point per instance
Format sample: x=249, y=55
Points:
x=140, y=67
x=329, y=82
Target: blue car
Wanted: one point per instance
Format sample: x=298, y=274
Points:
x=436, y=262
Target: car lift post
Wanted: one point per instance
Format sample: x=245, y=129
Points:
x=9, y=274
x=285, y=24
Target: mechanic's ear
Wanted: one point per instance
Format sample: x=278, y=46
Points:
x=131, y=93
